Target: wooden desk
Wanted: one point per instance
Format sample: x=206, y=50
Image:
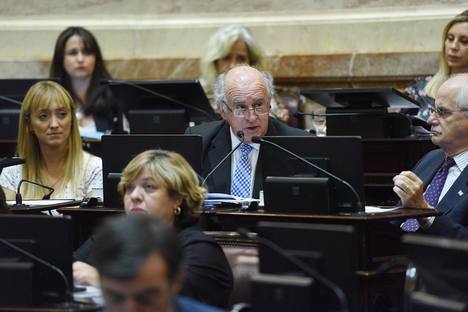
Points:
x=379, y=241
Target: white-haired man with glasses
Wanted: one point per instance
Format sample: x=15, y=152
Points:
x=440, y=179
x=243, y=95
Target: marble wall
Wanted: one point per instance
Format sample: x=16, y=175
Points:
x=353, y=41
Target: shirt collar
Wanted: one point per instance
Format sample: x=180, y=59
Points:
x=235, y=140
x=461, y=160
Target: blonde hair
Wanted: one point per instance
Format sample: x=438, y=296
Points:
x=42, y=95
x=444, y=71
x=220, y=45
x=171, y=171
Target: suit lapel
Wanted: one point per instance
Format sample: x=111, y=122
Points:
x=217, y=150
x=455, y=193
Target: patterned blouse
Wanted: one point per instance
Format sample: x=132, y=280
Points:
x=416, y=91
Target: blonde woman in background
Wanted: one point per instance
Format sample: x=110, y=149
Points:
x=453, y=60
x=229, y=46
x=50, y=143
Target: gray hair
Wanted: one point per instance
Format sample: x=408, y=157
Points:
x=462, y=99
x=219, y=89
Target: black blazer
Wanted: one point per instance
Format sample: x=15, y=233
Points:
x=217, y=144
x=454, y=205
x=208, y=275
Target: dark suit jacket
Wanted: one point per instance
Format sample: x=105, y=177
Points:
x=217, y=144
x=208, y=276
x=454, y=205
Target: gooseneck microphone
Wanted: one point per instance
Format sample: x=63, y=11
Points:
x=68, y=290
x=301, y=265
x=240, y=135
x=160, y=95
x=19, y=198
x=257, y=139
x=10, y=100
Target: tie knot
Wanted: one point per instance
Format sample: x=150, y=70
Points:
x=245, y=149
x=449, y=162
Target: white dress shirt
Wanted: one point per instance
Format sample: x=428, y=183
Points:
x=253, y=158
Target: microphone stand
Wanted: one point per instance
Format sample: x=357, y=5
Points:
x=325, y=172
x=240, y=135
x=302, y=266
x=19, y=198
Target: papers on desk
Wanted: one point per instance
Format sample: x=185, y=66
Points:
x=91, y=294
x=96, y=135
x=376, y=209
x=216, y=200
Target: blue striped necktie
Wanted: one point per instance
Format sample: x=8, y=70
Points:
x=242, y=174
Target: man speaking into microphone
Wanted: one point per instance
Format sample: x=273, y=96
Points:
x=243, y=95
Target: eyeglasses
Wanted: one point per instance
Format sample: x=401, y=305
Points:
x=441, y=112
x=243, y=111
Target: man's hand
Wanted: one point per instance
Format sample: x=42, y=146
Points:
x=85, y=274
x=409, y=188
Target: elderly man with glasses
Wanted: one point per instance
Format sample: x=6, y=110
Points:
x=440, y=179
x=243, y=95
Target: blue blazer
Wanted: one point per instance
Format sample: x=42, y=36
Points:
x=454, y=205
x=217, y=143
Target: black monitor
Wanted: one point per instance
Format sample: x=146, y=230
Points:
x=341, y=156
x=118, y=150
x=48, y=238
x=441, y=264
x=12, y=92
x=329, y=249
x=162, y=107
x=370, y=113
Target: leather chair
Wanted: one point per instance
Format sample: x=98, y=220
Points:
x=242, y=255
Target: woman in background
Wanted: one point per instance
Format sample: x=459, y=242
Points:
x=50, y=144
x=79, y=66
x=163, y=184
x=453, y=60
x=229, y=46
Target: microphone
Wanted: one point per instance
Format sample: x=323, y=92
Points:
x=240, y=135
x=301, y=265
x=19, y=198
x=68, y=290
x=257, y=139
x=160, y=95
x=10, y=100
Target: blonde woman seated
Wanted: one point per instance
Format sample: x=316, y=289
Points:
x=229, y=46
x=50, y=143
x=453, y=60
x=163, y=184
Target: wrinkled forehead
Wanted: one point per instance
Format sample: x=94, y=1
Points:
x=246, y=88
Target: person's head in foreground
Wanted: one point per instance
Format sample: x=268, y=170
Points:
x=139, y=261
x=163, y=184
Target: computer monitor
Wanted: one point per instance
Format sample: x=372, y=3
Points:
x=118, y=150
x=48, y=238
x=441, y=265
x=168, y=106
x=370, y=113
x=12, y=92
x=341, y=156
x=331, y=250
